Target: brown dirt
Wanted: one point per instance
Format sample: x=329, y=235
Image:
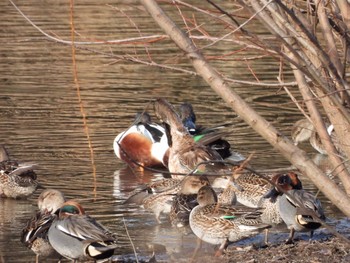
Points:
x=324, y=247
x=331, y=250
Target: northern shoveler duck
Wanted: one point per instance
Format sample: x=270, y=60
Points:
x=142, y=145
x=185, y=155
x=77, y=236
x=34, y=235
x=211, y=137
x=17, y=180
x=218, y=224
x=299, y=209
x=162, y=202
x=304, y=130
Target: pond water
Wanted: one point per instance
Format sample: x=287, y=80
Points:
x=41, y=120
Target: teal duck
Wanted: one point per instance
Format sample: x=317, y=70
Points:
x=138, y=195
x=299, y=209
x=249, y=187
x=77, y=236
x=185, y=200
x=299, y=217
x=34, y=234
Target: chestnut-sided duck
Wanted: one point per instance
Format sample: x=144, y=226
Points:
x=144, y=144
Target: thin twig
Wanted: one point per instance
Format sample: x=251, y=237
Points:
x=295, y=101
x=238, y=28
x=150, y=39
x=132, y=243
x=82, y=110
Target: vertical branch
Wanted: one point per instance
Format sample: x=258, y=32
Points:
x=331, y=47
x=77, y=85
x=299, y=53
x=344, y=7
x=296, y=156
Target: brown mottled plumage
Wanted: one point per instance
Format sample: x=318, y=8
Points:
x=185, y=155
x=162, y=202
x=34, y=234
x=17, y=180
x=219, y=224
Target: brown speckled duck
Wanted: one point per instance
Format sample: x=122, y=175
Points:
x=219, y=224
x=162, y=202
x=17, y=180
x=185, y=155
x=304, y=130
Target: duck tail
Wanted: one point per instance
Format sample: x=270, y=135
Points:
x=100, y=249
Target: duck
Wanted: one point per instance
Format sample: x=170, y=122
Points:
x=77, y=236
x=144, y=144
x=185, y=200
x=34, y=234
x=225, y=190
x=304, y=130
x=143, y=191
x=211, y=137
x=162, y=203
x=181, y=207
x=219, y=224
x=183, y=203
x=17, y=180
x=269, y=203
x=249, y=187
x=299, y=209
x=185, y=155
x=253, y=191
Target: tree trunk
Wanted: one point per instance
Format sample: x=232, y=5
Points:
x=296, y=156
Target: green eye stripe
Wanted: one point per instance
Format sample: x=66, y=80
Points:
x=228, y=217
x=198, y=137
x=70, y=209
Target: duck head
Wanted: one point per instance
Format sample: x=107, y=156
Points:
x=70, y=208
x=282, y=183
x=192, y=183
x=50, y=200
x=188, y=117
x=206, y=196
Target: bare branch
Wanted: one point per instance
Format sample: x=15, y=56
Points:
x=259, y=124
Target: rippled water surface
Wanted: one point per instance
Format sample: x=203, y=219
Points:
x=40, y=118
